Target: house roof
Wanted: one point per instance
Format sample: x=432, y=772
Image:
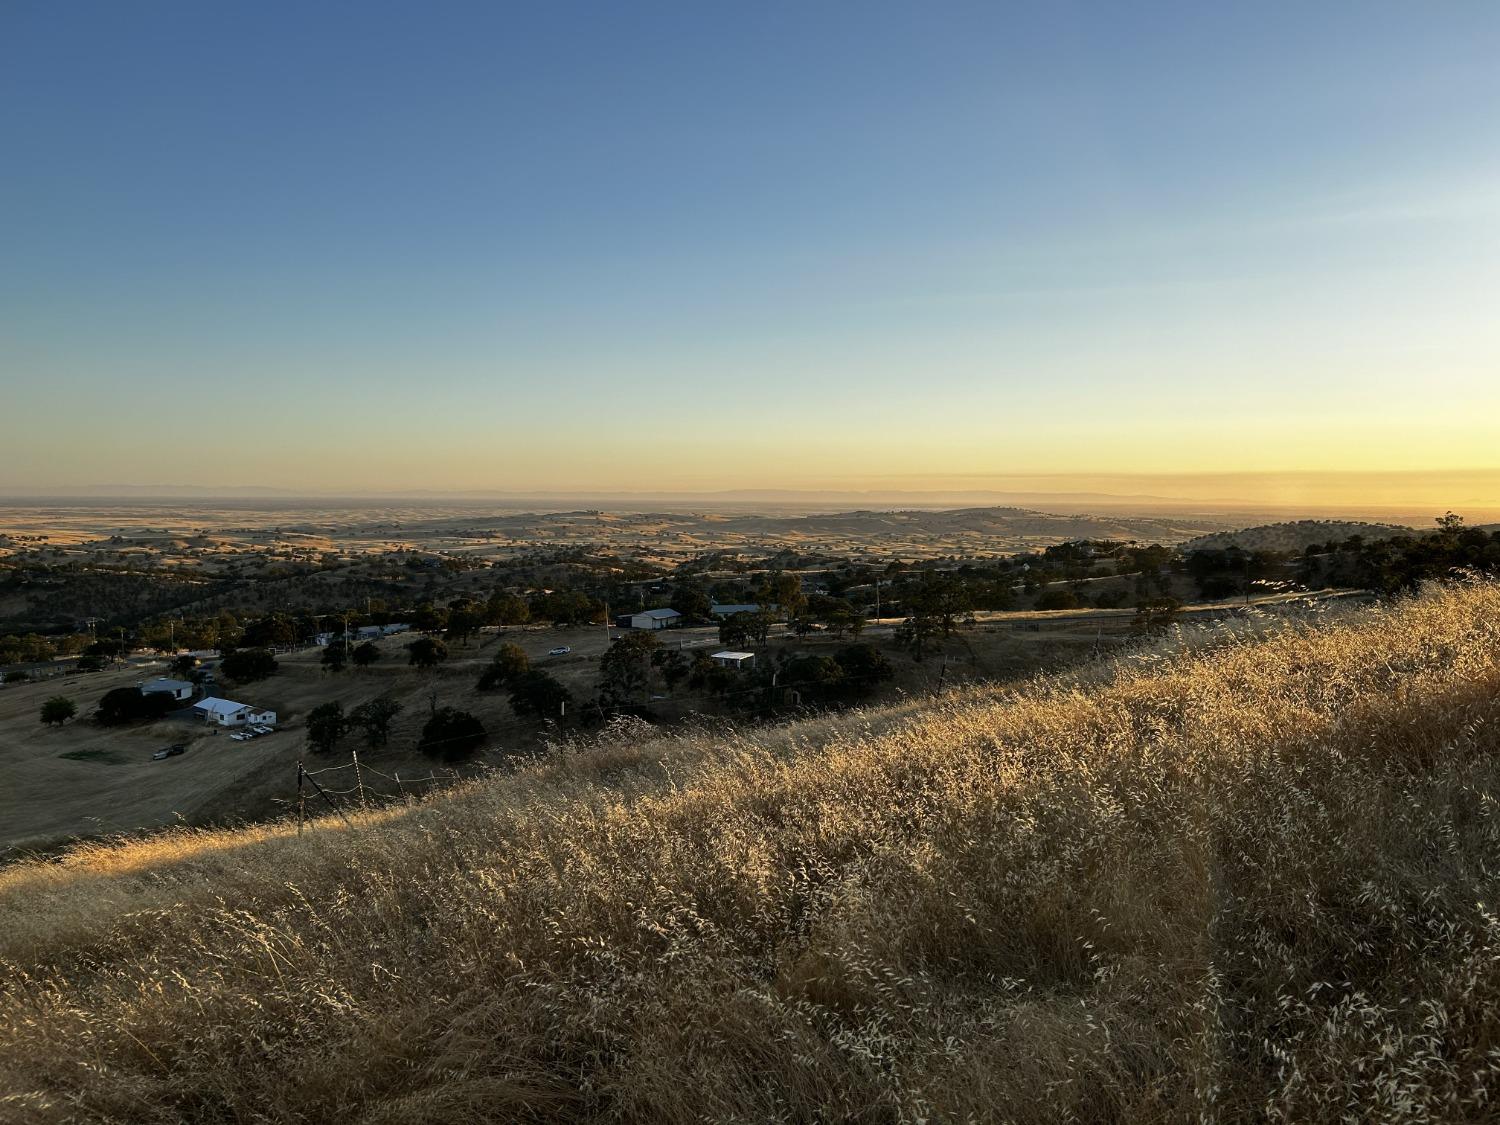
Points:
x=729, y=655
x=739, y=608
x=658, y=614
x=161, y=683
x=213, y=705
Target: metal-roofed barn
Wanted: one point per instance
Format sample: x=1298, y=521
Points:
x=655, y=619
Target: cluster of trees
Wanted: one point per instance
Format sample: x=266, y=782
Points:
x=33, y=648
x=533, y=692
x=337, y=655
x=1403, y=563
x=850, y=674
x=934, y=604
x=1230, y=572
x=128, y=705
x=246, y=665
x=329, y=723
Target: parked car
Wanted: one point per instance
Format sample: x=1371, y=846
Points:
x=264, y=730
x=560, y=650
x=242, y=736
x=169, y=752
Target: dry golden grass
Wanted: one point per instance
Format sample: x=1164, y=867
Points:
x=1254, y=881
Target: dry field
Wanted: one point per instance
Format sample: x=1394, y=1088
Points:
x=1256, y=880
x=85, y=780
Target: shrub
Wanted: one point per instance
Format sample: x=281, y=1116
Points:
x=58, y=710
x=1057, y=599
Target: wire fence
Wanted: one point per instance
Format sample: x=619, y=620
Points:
x=360, y=796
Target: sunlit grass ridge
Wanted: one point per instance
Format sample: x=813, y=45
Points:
x=1258, y=879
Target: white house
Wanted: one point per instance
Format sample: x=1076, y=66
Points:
x=731, y=659
x=228, y=713
x=654, y=619
x=177, y=689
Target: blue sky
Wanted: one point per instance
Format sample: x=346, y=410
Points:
x=714, y=245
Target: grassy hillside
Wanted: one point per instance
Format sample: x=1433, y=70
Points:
x=1259, y=880
x=1295, y=536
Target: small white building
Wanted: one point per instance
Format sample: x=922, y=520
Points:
x=178, y=689
x=731, y=659
x=228, y=713
x=654, y=619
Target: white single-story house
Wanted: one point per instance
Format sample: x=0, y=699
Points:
x=731, y=659
x=395, y=627
x=228, y=713
x=731, y=610
x=177, y=689
x=654, y=619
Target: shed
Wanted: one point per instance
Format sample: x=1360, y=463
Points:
x=177, y=689
x=731, y=659
x=654, y=619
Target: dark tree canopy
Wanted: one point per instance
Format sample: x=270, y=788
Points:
x=374, y=717
x=326, y=724
x=745, y=629
x=58, y=710
x=510, y=663
x=1156, y=616
x=536, y=693
x=246, y=665
x=451, y=735
x=426, y=652
x=625, y=669
x=464, y=619
x=506, y=609
x=128, y=705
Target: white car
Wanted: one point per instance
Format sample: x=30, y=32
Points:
x=560, y=650
x=264, y=730
x=241, y=736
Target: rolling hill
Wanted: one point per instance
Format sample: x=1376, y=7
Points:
x=1253, y=878
x=1294, y=536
